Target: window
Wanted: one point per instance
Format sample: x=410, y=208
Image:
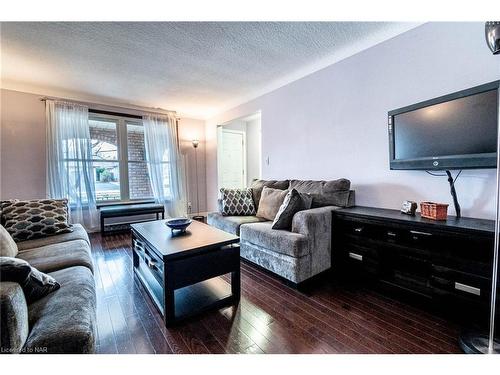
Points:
x=106, y=164
x=138, y=176
x=119, y=159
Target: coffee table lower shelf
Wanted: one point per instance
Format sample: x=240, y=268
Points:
x=193, y=300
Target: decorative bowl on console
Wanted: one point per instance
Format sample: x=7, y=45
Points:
x=178, y=223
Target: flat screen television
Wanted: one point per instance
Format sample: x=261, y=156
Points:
x=456, y=131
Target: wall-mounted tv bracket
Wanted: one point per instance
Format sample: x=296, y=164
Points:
x=453, y=192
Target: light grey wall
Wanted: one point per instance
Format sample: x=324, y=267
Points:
x=236, y=125
x=253, y=150
x=333, y=123
x=190, y=129
x=23, y=148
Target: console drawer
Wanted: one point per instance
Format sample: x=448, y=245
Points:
x=356, y=229
x=460, y=284
x=362, y=259
x=467, y=255
x=359, y=232
x=411, y=281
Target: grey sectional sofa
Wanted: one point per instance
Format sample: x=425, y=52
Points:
x=305, y=250
x=63, y=321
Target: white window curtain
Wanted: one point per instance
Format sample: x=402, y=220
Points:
x=69, y=160
x=165, y=164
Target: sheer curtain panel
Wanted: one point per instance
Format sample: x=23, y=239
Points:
x=166, y=168
x=69, y=160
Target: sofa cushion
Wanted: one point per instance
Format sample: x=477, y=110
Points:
x=231, y=224
x=35, y=218
x=58, y=256
x=13, y=317
x=237, y=202
x=277, y=240
x=293, y=203
x=78, y=233
x=35, y=284
x=325, y=193
x=258, y=185
x=270, y=202
x=8, y=247
x=65, y=321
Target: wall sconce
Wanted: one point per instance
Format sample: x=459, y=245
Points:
x=492, y=34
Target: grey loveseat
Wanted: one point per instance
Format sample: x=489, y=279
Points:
x=63, y=321
x=305, y=250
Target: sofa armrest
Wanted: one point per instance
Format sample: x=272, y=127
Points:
x=313, y=221
x=351, y=201
x=13, y=317
x=316, y=224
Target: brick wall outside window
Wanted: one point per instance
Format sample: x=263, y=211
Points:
x=139, y=184
x=138, y=175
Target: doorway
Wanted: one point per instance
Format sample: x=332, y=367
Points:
x=232, y=163
x=239, y=152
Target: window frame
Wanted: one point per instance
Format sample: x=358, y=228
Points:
x=128, y=161
x=123, y=161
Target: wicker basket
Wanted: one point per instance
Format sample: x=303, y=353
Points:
x=434, y=211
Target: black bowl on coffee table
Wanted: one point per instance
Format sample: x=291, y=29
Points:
x=179, y=223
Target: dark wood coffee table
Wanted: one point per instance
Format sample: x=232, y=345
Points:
x=181, y=271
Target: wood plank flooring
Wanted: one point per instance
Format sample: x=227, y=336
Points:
x=271, y=317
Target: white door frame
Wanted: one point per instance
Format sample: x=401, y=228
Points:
x=220, y=130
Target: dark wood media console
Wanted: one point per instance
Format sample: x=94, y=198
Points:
x=447, y=263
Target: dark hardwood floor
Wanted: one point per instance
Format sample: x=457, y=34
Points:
x=271, y=317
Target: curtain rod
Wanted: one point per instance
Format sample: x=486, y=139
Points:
x=160, y=111
x=112, y=113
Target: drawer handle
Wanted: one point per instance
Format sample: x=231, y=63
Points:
x=150, y=263
x=358, y=230
x=356, y=256
x=467, y=289
x=420, y=233
x=391, y=234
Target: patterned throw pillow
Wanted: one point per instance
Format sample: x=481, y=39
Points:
x=237, y=202
x=30, y=219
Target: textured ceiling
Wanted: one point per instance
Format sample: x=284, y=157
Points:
x=195, y=68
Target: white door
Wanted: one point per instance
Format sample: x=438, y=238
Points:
x=231, y=157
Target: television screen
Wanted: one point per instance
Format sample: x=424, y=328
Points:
x=452, y=132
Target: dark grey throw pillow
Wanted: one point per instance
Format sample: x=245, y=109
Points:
x=36, y=218
x=293, y=203
x=35, y=284
x=237, y=202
